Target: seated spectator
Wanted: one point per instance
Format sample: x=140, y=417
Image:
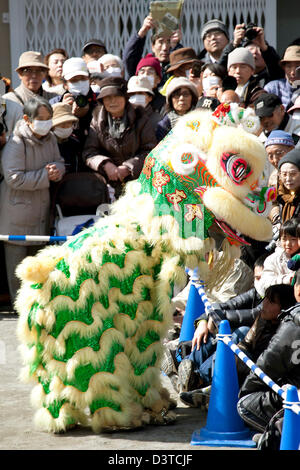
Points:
x=150, y=67
x=277, y=145
x=54, y=82
x=229, y=96
x=111, y=66
x=257, y=402
x=241, y=66
x=288, y=197
x=215, y=37
x=182, y=97
x=276, y=270
x=79, y=95
x=32, y=71
x=284, y=87
x=277, y=298
x=63, y=122
x=93, y=50
x=160, y=45
x=273, y=116
x=120, y=136
x=30, y=161
x=140, y=93
x=294, y=110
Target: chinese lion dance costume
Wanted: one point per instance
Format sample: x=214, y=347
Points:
x=94, y=311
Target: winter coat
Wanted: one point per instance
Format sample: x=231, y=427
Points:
x=280, y=361
x=24, y=192
x=275, y=271
x=281, y=88
x=130, y=149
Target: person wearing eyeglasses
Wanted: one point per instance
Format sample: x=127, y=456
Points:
x=32, y=71
x=181, y=97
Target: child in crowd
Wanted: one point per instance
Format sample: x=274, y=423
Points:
x=276, y=270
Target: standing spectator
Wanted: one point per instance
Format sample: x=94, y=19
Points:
x=241, y=66
x=150, y=67
x=266, y=58
x=120, y=136
x=79, y=95
x=32, y=71
x=215, y=37
x=55, y=60
x=93, y=50
x=160, y=44
x=30, y=161
x=10, y=113
x=269, y=108
x=182, y=97
x=284, y=87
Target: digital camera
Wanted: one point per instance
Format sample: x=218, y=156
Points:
x=81, y=101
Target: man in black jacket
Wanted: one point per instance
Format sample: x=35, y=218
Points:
x=281, y=362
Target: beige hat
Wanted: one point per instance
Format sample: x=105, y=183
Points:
x=177, y=83
x=31, y=59
x=62, y=113
x=292, y=54
x=139, y=84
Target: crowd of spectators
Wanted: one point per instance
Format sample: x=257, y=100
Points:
x=101, y=114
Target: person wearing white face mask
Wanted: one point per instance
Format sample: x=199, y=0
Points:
x=140, y=92
x=30, y=162
x=64, y=123
x=78, y=94
x=111, y=66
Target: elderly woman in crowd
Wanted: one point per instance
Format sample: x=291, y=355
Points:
x=182, y=97
x=30, y=161
x=54, y=81
x=120, y=136
x=141, y=93
x=289, y=185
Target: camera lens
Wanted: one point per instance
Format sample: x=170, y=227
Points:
x=81, y=101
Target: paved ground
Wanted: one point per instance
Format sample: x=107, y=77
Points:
x=16, y=426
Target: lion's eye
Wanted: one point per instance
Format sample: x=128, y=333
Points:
x=236, y=167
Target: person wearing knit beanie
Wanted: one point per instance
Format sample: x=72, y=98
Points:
x=241, y=66
x=150, y=66
x=277, y=145
x=215, y=37
x=238, y=56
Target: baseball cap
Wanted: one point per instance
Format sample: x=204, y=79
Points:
x=264, y=105
x=73, y=67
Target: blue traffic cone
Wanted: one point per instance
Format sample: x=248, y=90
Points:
x=290, y=437
x=224, y=427
x=194, y=308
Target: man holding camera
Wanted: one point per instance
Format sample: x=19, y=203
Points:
x=252, y=37
x=78, y=94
